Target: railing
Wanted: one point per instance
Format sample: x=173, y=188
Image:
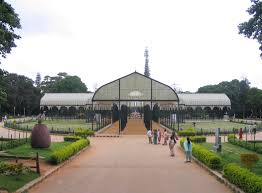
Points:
x=17, y=158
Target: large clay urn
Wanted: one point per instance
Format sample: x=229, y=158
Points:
x=40, y=137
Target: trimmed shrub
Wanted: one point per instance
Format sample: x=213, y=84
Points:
x=71, y=138
x=66, y=152
x=84, y=133
x=187, y=132
x=207, y=157
x=243, y=178
x=249, y=159
x=198, y=139
x=210, y=159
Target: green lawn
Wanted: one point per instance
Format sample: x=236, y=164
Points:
x=223, y=125
x=231, y=154
x=12, y=183
x=61, y=124
x=26, y=150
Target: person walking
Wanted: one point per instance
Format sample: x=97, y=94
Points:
x=159, y=136
x=172, y=143
x=165, y=137
x=155, y=136
x=149, y=135
x=188, y=149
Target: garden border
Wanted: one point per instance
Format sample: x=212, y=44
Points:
x=38, y=180
x=218, y=176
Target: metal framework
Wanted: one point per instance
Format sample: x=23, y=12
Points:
x=136, y=87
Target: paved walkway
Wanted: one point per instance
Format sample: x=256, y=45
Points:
x=7, y=133
x=130, y=165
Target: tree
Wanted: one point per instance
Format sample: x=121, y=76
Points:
x=3, y=95
x=235, y=90
x=38, y=80
x=253, y=28
x=9, y=21
x=21, y=94
x=63, y=83
x=69, y=84
x=147, y=71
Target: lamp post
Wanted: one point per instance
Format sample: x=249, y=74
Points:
x=24, y=111
x=14, y=112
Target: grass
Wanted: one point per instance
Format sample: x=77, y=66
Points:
x=27, y=150
x=61, y=124
x=231, y=154
x=223, y=125
x=12, y=183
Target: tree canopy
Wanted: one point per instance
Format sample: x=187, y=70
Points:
x=9, y=21
x=253, y=27
x=63, y=83
x=21, y=94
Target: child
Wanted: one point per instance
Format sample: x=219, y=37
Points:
x=159, y=135
x=165, y=137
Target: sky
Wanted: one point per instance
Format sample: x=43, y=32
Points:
x=191, y=43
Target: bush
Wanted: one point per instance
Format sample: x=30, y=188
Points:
x=187, y=132
x=84, y=133
x=243, y=178
x=71, y=138
x=12, y=169
x=249, y=159
x=210, y=159
x=66, y=152
x=12, y=143
x=198, y=139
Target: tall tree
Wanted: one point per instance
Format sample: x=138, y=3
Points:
x=9, y=21
x=3, y=94
x=63, y=83
x=21, y=94
x=147, y=71
x=253, y=27
x=69, y=84
x=38, y=80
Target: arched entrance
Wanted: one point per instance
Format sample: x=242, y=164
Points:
x=134, y=92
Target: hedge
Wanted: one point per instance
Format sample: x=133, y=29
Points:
x=207, y=157
x=71, y=138
x=243, y=178
x=66, y=152
x=250, y=146
x=198, y=139
x=84, y=133
x=187, y=132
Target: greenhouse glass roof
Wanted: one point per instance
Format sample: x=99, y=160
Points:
x=135, y=87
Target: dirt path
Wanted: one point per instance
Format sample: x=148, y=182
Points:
x=130, y=165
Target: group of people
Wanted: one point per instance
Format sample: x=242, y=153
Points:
x=155, y=136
